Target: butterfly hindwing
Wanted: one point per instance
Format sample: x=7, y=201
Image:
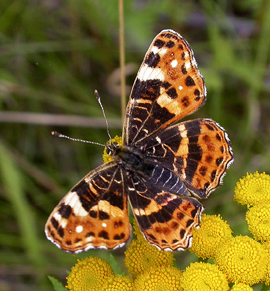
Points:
x=165, y=219
x=168, y=87
x=93, y=214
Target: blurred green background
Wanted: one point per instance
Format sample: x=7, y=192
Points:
x=54, y=54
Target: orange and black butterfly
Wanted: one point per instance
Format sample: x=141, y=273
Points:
x=162, y=169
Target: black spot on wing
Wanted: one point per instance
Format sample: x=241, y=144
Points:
x=103, y=215
x=152, y=60
x=170, y=44
x=103, y=234
x=185, y=101
x=159, y=43
x=54, y=222
x=183, y=69
x=219, y=161
x=118, y=237
x=60, y=231
x=189, y=81
x=93, y=214
x=172, y=93
x=182, y=233
x=65, y=210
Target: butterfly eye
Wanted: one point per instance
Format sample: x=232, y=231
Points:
x=112, y=148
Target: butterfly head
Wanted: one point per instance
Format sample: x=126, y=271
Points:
x=112, y=149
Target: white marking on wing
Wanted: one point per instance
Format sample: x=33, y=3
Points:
x=174, y=63
x=63, y=223
x=147, y=73
x=163, y=51
x=79, y=229
x=154, y=49
x=57, y=216
x=158, y=140
x=187, y=65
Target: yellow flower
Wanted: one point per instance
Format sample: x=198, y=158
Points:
x=241, y=287
x=89, y=274
x=203, y=277
x=213, y=231
x=159, y=279
x=242, y=259
x=141, y=256
x=266, y=246
x=258, y=219
x=253, y=189
x=106, y=157
x=137, y=231
x=120, y=283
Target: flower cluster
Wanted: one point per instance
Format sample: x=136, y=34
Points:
x=234, y=262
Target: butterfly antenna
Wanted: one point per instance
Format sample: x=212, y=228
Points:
x=106, y=121
x=55, y=133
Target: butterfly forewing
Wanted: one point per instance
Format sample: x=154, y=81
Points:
x=168, y=87
x=93, y=214
x=198, y=151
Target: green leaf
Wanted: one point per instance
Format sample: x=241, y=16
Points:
x=57, y=285
x=114, y=264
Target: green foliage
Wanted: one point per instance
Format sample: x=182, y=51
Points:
x=58, y=286
x=54, y=54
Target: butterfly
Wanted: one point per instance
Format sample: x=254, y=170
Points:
x=162, y=169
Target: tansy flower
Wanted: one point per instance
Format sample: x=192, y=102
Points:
x=213, y=231
x=120, y=283
x=141, y=256
x=159, y=279
x=241, y=287
x=106, y=157
x=266, y=246
x=242, y=259
x=89, y=274
x=137, y=232
x=258, y=219
x=253, y=189
x=203, y=277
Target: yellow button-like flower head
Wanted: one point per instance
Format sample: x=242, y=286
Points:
x=213, y=231
x=241, y=287
x=203, y=277
x=253, y=189
x=159, y=279
x=89, y=274
x=120, y=283
x=141, y=256
x=258, y=219
x=266, y=246
x=243, y=260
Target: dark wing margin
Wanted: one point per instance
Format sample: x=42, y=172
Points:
x=168, y=87
x=93, y=214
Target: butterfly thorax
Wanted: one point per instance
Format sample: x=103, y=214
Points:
x=131, y=158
